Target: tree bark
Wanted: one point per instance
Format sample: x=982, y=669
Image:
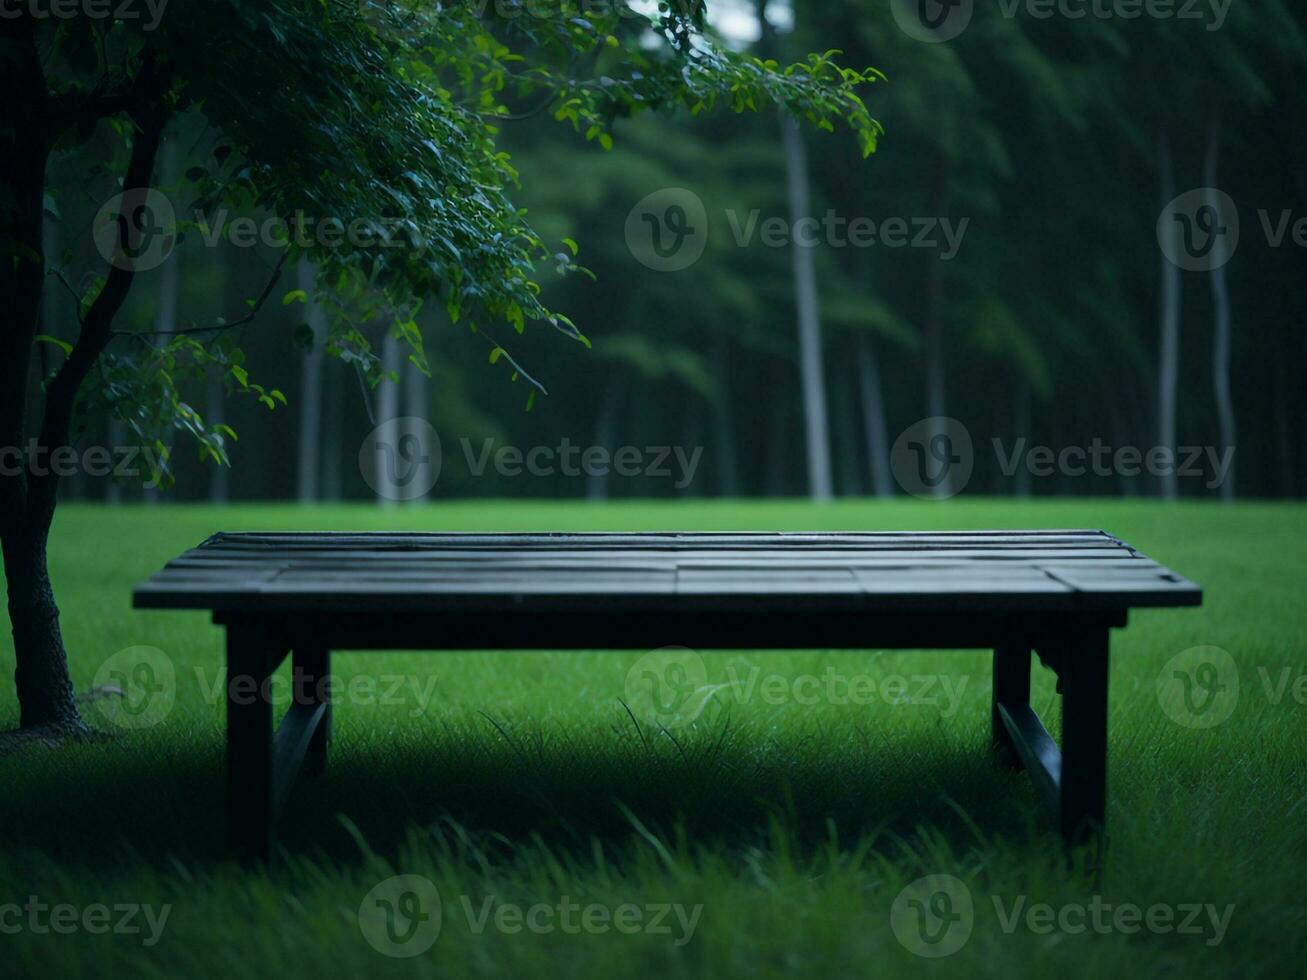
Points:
x=728, y=466
x=45, y=690
x=215, y=411
x=844, y=435
x=597, y=483
x=1224, y=329
x=873, y=413
x=936, y=403
x=309, y=461
x=816, y=428
x=1022, y=485
x=1168, y=363
x=416, y=393
x=388, y=400
x=333, y=422
x=28, y=499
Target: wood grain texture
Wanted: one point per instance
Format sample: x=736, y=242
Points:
x=1012, y=571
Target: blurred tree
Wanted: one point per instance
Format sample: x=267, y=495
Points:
x=312, y=334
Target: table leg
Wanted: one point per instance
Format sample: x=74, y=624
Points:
x=250, y=774
x=312, y=683
x=1084, y=735
x=1011, y=687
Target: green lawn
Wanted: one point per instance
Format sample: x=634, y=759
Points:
x=780, y=827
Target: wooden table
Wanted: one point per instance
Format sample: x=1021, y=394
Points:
x=1058, y=593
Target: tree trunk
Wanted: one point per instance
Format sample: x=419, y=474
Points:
x=215, y=413
x=57, y=314
x=334, y=380
x=873, y=414
x=1223, y=336
x=779, y=442
x=936, y=402
x=309, y=460
x=1168, y=365
x=388, y=401
x=1022, y=487
x=596, y=484
x=45, y=690
x=215, y=402
x=28, y=500
x=169, y=281
x=728, y=466
x=811, y=372
x=416, y=391
x=844, y=434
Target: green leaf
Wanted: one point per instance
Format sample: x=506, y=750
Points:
x=45, y=338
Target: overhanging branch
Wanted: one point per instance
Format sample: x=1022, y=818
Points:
x=61, y=394
x=262, y=299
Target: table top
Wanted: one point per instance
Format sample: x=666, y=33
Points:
x=350, y=573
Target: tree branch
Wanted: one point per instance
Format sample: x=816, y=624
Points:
x=268, y=287
x=102, y=101
x=61, y=394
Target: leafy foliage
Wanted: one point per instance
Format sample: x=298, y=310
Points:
x=371, y=131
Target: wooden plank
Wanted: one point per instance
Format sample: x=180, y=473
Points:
x=1068, y=570
x=708, y=628
x=650, y=541
x=635, y=558
x=627, y=538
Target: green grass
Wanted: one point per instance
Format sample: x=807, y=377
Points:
x=794, y=825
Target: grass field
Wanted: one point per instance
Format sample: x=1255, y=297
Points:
x=778, y=829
